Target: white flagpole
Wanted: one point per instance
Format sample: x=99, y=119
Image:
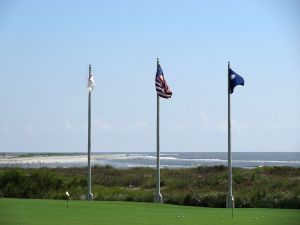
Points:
x=158, y=197
x=89, y=195
x=229, y=202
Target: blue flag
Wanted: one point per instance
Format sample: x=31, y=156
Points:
x=235, y=80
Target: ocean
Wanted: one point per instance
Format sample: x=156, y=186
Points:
x=134, y=159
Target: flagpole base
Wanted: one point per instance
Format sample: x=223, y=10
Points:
x=89, y=197
x=158, y=198
x=230, y=201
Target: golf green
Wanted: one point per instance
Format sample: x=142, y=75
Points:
x=55, y=212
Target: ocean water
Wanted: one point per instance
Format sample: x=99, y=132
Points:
x=167, y=159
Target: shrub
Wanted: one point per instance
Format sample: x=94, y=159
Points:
x=274, y=187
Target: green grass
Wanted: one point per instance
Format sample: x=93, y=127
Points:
x=54, y=212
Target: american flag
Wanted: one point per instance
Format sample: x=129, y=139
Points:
x=162, y=88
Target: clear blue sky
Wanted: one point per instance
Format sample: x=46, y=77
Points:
x=46, y=47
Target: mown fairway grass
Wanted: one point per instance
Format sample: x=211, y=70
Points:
x=55, y=212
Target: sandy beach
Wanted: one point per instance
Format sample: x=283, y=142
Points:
x=9, y=160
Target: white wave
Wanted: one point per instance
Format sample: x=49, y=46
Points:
x=133, y=156
x=198, y=160
x=266, y=161
x=108, y=156
x=174, y=154
x=240, y=161
x=169, y=158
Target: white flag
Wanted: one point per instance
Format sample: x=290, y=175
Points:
x=91, y=83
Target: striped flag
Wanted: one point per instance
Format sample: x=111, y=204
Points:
x=162, y=88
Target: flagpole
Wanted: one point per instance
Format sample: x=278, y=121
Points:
x=229, y=202
x=158, y=197
x=89, y=195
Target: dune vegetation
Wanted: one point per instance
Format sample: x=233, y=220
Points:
x=266, y=187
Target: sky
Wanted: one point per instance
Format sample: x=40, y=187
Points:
x=46, y=47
